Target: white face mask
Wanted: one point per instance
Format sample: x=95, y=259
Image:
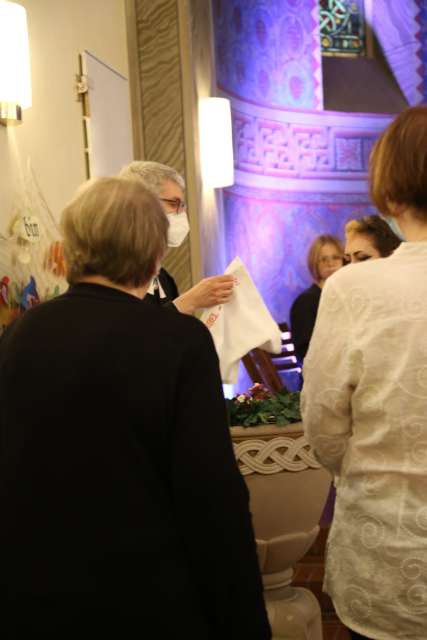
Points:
x=178, y=228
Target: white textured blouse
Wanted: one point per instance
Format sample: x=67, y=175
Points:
x=364, y=407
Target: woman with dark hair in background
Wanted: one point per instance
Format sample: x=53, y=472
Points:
x=369, y=237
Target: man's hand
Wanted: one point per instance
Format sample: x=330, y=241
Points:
x=207, y=293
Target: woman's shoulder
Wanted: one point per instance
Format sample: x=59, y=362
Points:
x=177, y=325
x=361, y=271
x=362, y=282
x=307, y=297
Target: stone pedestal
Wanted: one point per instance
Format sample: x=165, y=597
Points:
x=288, y=490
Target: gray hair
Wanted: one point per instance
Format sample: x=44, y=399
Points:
x=152, y=174
x=114, y=227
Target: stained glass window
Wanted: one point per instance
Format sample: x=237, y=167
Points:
x=342, y=27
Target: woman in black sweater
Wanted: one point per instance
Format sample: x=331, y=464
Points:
x=325, y=256
x=123, y=512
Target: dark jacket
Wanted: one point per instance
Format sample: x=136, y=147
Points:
x=169, y=287
x=121, y=505
x=303, y=316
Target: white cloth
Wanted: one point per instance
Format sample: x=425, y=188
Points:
x=242, y=324
x=364, y=407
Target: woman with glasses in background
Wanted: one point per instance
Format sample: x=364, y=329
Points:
x=168, y=185
x=369, y=237
x=325, y=256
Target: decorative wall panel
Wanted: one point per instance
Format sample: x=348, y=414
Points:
x=313, y=146
x=268, y=51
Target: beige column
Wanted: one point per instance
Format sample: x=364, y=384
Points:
x=171, y=66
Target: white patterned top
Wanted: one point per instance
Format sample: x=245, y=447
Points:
x=364, y=406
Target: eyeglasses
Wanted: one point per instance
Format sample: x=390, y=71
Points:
x=177, y=204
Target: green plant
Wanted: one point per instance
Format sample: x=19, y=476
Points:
x=259, y=406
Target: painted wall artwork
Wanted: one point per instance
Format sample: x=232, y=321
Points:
x=268, y=51
x=32, y=267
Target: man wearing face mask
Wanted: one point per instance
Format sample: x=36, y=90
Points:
x=168, y=185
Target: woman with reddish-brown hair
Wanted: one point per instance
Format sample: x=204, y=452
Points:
x=364, y=405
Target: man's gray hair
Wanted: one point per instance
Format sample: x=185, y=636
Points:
x=152, y=174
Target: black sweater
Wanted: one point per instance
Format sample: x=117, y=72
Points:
x=303, y=316
x=122, y=508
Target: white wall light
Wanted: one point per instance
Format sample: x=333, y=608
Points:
x=216, y=143
x=15, y=77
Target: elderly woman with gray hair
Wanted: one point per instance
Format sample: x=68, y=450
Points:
x=169, y=186
x=123, y=513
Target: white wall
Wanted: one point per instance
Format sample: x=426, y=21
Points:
x=52, y=134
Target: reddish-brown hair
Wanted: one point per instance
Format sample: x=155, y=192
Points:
x=398, y=163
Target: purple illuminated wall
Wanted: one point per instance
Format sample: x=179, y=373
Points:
x=299, y=171
x=397, y=26
x=297, y=174
x=422, y=34
x=271, y=236
x=269, y=51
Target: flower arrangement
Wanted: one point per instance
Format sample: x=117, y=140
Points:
x=260, y=406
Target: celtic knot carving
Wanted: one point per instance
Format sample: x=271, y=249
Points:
x=275, y=455
x=289, y=149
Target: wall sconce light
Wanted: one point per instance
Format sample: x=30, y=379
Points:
x=216, y=143
x=15, y=78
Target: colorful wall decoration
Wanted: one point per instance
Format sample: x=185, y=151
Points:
x=268, y=51
x=32, y=267
x=342, y=27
